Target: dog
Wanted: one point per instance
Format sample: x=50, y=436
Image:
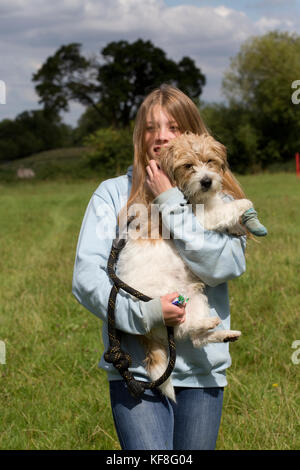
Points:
x=153, y=266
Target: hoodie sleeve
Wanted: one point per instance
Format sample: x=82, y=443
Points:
x=91, y=284
x=212, y=256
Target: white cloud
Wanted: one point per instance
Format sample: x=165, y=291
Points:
x=222, y=11
x=265, y=24
x=31, y=30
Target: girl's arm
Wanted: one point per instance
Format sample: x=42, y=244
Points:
x=212, y=256
x=91, y=283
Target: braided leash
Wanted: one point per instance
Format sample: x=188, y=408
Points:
x=121, y=360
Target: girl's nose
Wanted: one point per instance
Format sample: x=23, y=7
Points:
x=162, y=134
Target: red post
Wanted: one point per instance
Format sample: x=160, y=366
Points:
x=297, y=164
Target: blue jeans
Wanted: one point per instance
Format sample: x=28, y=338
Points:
x=157, y=423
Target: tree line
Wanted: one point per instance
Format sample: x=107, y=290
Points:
x=258, y=122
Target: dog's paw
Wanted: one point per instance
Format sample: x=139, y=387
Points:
x=231, y=336
x=243, y=205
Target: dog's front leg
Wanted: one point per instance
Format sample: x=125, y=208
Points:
x=227, y=215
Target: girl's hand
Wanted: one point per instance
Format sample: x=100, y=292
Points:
x=157, y=180
x=173, y=314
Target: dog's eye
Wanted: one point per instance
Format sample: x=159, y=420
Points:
x=188, y=166
x=210, y=161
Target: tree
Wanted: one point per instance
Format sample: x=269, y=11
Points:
x=259, y=80
x=115, y=85
x=65, y=76
x=232, y=126
x=90, y=121
x=31, y=132
x=132, y=70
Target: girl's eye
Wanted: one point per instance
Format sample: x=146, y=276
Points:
x=174, y=128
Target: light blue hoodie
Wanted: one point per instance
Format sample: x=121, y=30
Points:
x=219, y=259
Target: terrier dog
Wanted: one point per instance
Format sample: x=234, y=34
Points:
x=153, y=266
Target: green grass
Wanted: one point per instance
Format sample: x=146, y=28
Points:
x=261, y=409
x=62, y=163
x=52, y=394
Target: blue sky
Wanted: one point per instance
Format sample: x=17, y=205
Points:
x=208, y=31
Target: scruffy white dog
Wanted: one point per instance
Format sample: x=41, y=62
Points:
x=195, y=164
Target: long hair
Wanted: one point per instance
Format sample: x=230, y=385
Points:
x=180, y=107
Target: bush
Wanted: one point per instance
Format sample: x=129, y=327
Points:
x=112, y=150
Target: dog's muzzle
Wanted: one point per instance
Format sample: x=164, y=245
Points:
x=206, y=183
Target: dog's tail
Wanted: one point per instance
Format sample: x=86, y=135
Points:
x=156, y=364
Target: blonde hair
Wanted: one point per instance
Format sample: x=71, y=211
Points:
x=180, y=107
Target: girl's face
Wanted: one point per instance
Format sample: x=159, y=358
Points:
x=160, y=129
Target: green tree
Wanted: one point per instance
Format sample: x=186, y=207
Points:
x=259, y=80
x=132, y=70
x=31, y=132
x=115, y=84
x=65, y=76
x=89, y=122
x=232, y=126
x=112, y=150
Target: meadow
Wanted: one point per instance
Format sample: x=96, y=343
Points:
x=52, y=393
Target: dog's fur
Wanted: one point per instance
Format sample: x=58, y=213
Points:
x=154, y=267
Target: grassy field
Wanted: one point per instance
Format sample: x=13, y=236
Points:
x=61, y=163
x=52, y=394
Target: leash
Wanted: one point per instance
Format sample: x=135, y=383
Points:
x=115, y=355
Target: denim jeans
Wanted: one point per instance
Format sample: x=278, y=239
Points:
x=156, y=423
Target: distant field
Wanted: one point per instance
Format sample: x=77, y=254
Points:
x=65, y=163
x=52, y=394
x=71, y=163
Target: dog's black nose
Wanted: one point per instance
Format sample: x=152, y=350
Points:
x=206, y=182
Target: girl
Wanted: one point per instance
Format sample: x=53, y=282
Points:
x=154, y=422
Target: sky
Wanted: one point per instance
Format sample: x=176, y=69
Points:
x=209, y=31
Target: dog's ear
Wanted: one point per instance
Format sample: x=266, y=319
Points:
x=221, y=151
x=166, y=161
x=225, y=165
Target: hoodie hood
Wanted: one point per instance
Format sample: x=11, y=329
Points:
x=129, y=171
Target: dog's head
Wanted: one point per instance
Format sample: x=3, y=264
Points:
x=195, y=164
